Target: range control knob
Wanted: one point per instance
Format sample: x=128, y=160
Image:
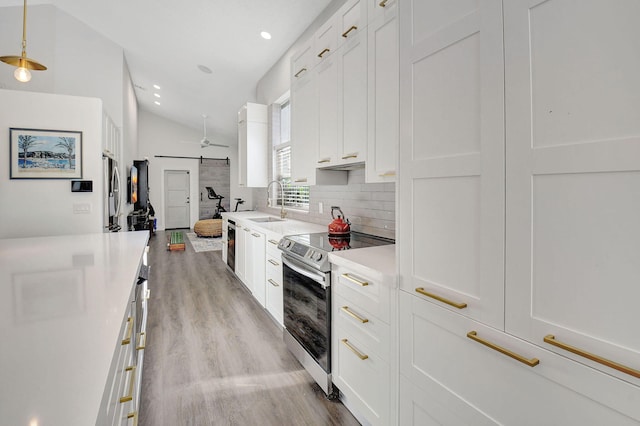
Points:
x=286, y=243
x=317, y=256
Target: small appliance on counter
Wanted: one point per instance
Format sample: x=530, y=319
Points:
x=339, y=227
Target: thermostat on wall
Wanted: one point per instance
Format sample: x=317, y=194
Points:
x=81, y=186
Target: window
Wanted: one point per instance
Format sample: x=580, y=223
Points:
x=295, y=196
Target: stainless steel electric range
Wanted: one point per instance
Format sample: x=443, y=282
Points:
x=307, y=297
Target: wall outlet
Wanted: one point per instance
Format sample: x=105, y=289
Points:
x=81, y=208
x=320, y=207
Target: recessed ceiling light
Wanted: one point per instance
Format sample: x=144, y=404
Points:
x=156, y=95
x=157, y=103
x=155, y=86
x=265, y=35
x=205, y=69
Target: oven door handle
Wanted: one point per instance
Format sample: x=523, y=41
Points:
x=303, y=270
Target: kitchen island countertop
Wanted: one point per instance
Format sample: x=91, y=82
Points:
x=62, y=303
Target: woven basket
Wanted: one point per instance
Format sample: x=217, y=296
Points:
x=208, y=228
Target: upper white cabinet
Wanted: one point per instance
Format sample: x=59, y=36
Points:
x=383, y=80
x=253, y=146
x=573, y=179
x=451, y=190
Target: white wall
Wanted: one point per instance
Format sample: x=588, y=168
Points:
x=42, y=207
x=159, y=136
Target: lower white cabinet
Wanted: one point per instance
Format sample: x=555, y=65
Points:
x=241, y=251
x=469, y=373
x=255, y=265
x=273, y=276
x=361, y=344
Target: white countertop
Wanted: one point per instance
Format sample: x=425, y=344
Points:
x=62, y=302
x=285, y=227
x=376, y=262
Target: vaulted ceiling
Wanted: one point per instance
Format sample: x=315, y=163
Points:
x=169, y=43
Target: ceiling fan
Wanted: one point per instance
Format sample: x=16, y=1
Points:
x=205, y=142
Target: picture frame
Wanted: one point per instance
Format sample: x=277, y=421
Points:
x=45, y=154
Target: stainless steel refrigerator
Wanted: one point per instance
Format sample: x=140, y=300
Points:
x=112, y=194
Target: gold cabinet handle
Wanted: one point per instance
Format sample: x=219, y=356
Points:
x=142, y=341
x=354, y=315
x=346, y=33
x=129, y=396
x=147, y=294
x=273, y=283
x=551, y=339
x=324, y=160
x=247, y=230
x=274, y=242
x=352, y=155
x=530, y=362
x=354, y=350
x=355, y=280
x=323, y=52
x=133, y=415
x=255, y=235
x=422, y=291
x=383, y=3
x=127, y=338
x=300, y=180
x=273, y=262
x=299, y=72
x=388, y=174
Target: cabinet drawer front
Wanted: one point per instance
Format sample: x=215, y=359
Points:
x=435, y=349
x=357, y=321
x=371, y=295
x=366, y=382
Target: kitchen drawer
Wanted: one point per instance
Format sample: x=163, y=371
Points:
x=349, y=316
x=435, y=349
x=435, y=407
x=370, y=294
x=274, y=290
x=272, y=244
x=365, y=382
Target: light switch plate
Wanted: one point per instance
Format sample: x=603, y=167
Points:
x=81, y=208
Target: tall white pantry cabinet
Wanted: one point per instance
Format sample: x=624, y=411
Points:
x=519, y=212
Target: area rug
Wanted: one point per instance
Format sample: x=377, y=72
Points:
x=200, y=244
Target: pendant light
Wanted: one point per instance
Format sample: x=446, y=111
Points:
x=23, y=63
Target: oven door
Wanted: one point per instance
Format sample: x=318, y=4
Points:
x=307, y=309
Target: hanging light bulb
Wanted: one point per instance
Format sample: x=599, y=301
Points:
x=23, y=63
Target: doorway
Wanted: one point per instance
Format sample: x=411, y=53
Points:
x=176, y=195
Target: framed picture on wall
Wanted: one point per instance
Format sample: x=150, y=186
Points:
x=45, y=154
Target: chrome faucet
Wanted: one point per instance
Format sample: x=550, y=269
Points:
x=283, y=213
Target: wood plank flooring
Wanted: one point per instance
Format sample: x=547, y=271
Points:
x=215, y=357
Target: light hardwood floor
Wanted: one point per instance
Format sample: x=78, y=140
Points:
x=214, y=356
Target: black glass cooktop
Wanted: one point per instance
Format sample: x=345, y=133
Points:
x=353, y=240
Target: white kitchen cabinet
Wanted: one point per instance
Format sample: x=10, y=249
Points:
x=255, y=265
x=378, y=8
x=352, y=83
x=361, y=343
x=241, y=253
x=459, y=375
x=383, y=95
x=274, y=290
x=253, y=146
x=451, y=190
x=573, y=229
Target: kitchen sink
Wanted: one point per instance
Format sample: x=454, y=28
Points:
x=267, y=219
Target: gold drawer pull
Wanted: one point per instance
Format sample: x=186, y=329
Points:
x=133, y=415
x=127, y=338
x=551, y=339
x=346, y=33
x=299, y=72
x=323, y=52
x=274, y=242
x=324, y=160
x=383, y=3
x=273, y=283
x=129, y=396
x=148, y=294
x=352, y=155
x=354, y=350
x=355, y=280
x=530, y=362
x=255, y=235
x=142, y=341
x=300, y=180
x=422, y=291
x=388, y=174
x=354, y=315
x=273, y=262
